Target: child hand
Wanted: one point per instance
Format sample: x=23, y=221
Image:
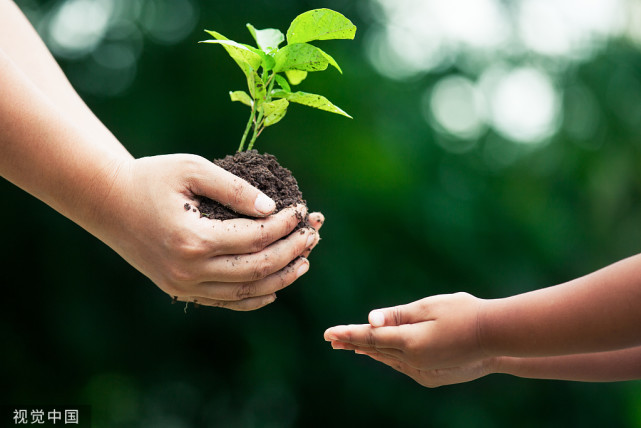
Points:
x=434, y=340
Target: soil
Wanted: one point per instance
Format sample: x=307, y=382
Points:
x=262, y=171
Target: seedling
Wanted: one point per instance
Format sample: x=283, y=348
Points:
x=272, y=71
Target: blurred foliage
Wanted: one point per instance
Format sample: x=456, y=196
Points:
x=405, y=219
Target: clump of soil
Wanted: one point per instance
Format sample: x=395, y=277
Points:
x=262, y=171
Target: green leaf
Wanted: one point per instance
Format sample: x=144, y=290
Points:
x=256, y=86
x=310, y=100
x=241, y=96
x=282, y=82
x=331, y=61
x=239, y=53
x=300, y=56
x=296, y=76
x=320, y=24
x=267, y=39
x=268, y=60
x=274, y=111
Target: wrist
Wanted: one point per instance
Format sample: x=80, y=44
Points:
x=494, y=365
x=103, y=195
x=499, y=365
x=485, y=344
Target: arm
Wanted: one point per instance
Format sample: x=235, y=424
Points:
x=21, y=43
x=461, y=335
x=598, y=312
x=619, y=365
x=610, y=366
x=52, y=146
x=45, y=153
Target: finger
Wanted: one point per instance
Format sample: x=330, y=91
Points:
x=385, y=359
x=366, y=335
x=307, y=252
x=230, y=292
x=249, y=304
x=255, y=266
x=403, y=314
x=210, y=180
x=316, y=220
x=395, y=353
x=396, y=364
x=243, y=236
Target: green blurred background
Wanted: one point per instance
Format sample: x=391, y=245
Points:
x=495, y=149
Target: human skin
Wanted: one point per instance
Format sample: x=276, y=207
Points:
x=54, y=147
x=585, y=330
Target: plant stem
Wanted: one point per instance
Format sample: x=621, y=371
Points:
x=257, y=130
x=270, y=86
x=260, y=121
x=249, y=124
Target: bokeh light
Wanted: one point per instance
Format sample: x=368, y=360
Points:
x=569, y=28
x=456, y=107
x=411, y=38
x=523, y=102
x=104, y=38
x=169, y=21
x=76, y=27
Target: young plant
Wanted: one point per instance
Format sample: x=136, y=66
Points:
x=264, y=66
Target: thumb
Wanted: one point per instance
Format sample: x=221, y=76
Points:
x=384, y=317
x=398, y=315
x=214, y=182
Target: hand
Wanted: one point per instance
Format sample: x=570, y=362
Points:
x=437, y=377
x=434, y=340
x=238, y=264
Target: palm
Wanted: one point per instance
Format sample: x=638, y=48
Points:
x=436, y=377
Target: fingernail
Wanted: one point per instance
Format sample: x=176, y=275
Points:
x=377, y=318
x=331, y=338
x=264, y=204
x=310, y=239
x=302, y=269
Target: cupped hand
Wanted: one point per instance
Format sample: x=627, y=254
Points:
x=154, y=223
x=434, y=340
x=434, y=378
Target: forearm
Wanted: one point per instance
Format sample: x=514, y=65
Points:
x=598, y=312
x=43, y=152
x=612, y=366
x=21, y=43
x=52, y=145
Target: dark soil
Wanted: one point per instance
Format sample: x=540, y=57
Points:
x=262, y=171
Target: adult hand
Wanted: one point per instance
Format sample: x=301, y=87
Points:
x=55, y=148
x=434, y=340
x=238, y=264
